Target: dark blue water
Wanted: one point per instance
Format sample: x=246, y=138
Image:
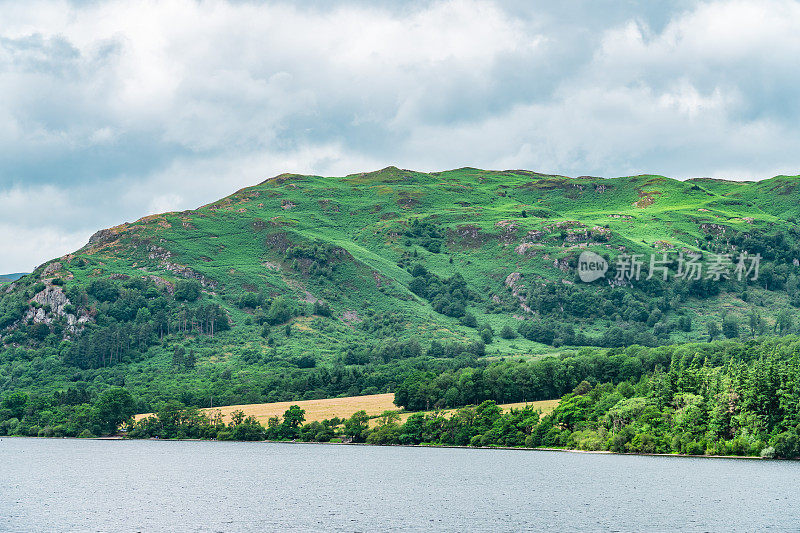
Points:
x=85, y=485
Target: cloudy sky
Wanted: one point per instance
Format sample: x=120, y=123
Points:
x=113, y=110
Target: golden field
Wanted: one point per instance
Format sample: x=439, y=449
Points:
x=318, y=410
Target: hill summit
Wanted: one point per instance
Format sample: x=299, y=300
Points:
x=305, y=286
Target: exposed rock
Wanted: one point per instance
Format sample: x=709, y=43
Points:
x=513, y=282
x=596, y=233
x=508, y=233
x=715, y=229
x=157, y=252
x=163, y=256
x=350, y=316
x=526, y=248
x=52, y=295
x=103, y=236
x=161, y=282
x=561, y=264
x=466, y=236
x=52, y=268
x=186, y=272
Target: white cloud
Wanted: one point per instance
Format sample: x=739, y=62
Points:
x=110, y=110
x=23, y=246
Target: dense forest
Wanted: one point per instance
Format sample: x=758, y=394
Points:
x=721, y=398
x=732, y=399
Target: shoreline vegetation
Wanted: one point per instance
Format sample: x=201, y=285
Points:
x=712, y=399
x=433, y=446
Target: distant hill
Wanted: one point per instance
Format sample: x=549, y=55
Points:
x=12, y=277
x=307, y=287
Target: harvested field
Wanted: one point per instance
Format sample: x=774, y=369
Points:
x=318, y=410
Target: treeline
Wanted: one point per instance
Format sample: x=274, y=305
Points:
x=721, y=398
x=749, y=406
x=738, y=409
x=546, y=378
x=75, y=412
x=551, y=377
x=255, y=376
x=173, y=420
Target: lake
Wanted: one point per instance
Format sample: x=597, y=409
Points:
x=95, y=485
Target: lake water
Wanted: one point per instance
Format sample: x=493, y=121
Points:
x=91, y=485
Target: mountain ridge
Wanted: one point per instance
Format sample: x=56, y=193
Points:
x=305, y=277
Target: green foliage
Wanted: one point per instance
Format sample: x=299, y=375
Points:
x=356, y=426
x=14, y=404
x=508, y=332
x=279, y=312
x=427, y=234
x=103, y=290
x=187, y=290
x=113, y=408
x=449, y=297
x=730, y=326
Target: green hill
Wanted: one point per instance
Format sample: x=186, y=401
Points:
x=305, y=287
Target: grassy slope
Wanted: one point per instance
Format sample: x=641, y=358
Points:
x=239, y=243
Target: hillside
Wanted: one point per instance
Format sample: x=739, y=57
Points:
x=306, y=287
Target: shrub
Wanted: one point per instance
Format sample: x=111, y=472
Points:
x=322, y=308
x=187, y=290
x=507, y=332
x=469, y=320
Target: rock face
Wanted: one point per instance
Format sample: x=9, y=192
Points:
x=161, y=255
x=514, y=283
x=103, y=236
x=54, y=296
x=52, y=268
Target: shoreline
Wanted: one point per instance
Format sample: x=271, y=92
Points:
x=447, y=446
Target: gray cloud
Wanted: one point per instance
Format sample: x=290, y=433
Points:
x=111, y=110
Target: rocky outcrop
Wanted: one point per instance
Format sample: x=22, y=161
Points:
x=714, y=229
x=157, y=253
x=50, y=303
x=508, y=231
x=54, y=296
x=162, y=283
x=514, y=283
x=102, y=237
x=52, y=268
